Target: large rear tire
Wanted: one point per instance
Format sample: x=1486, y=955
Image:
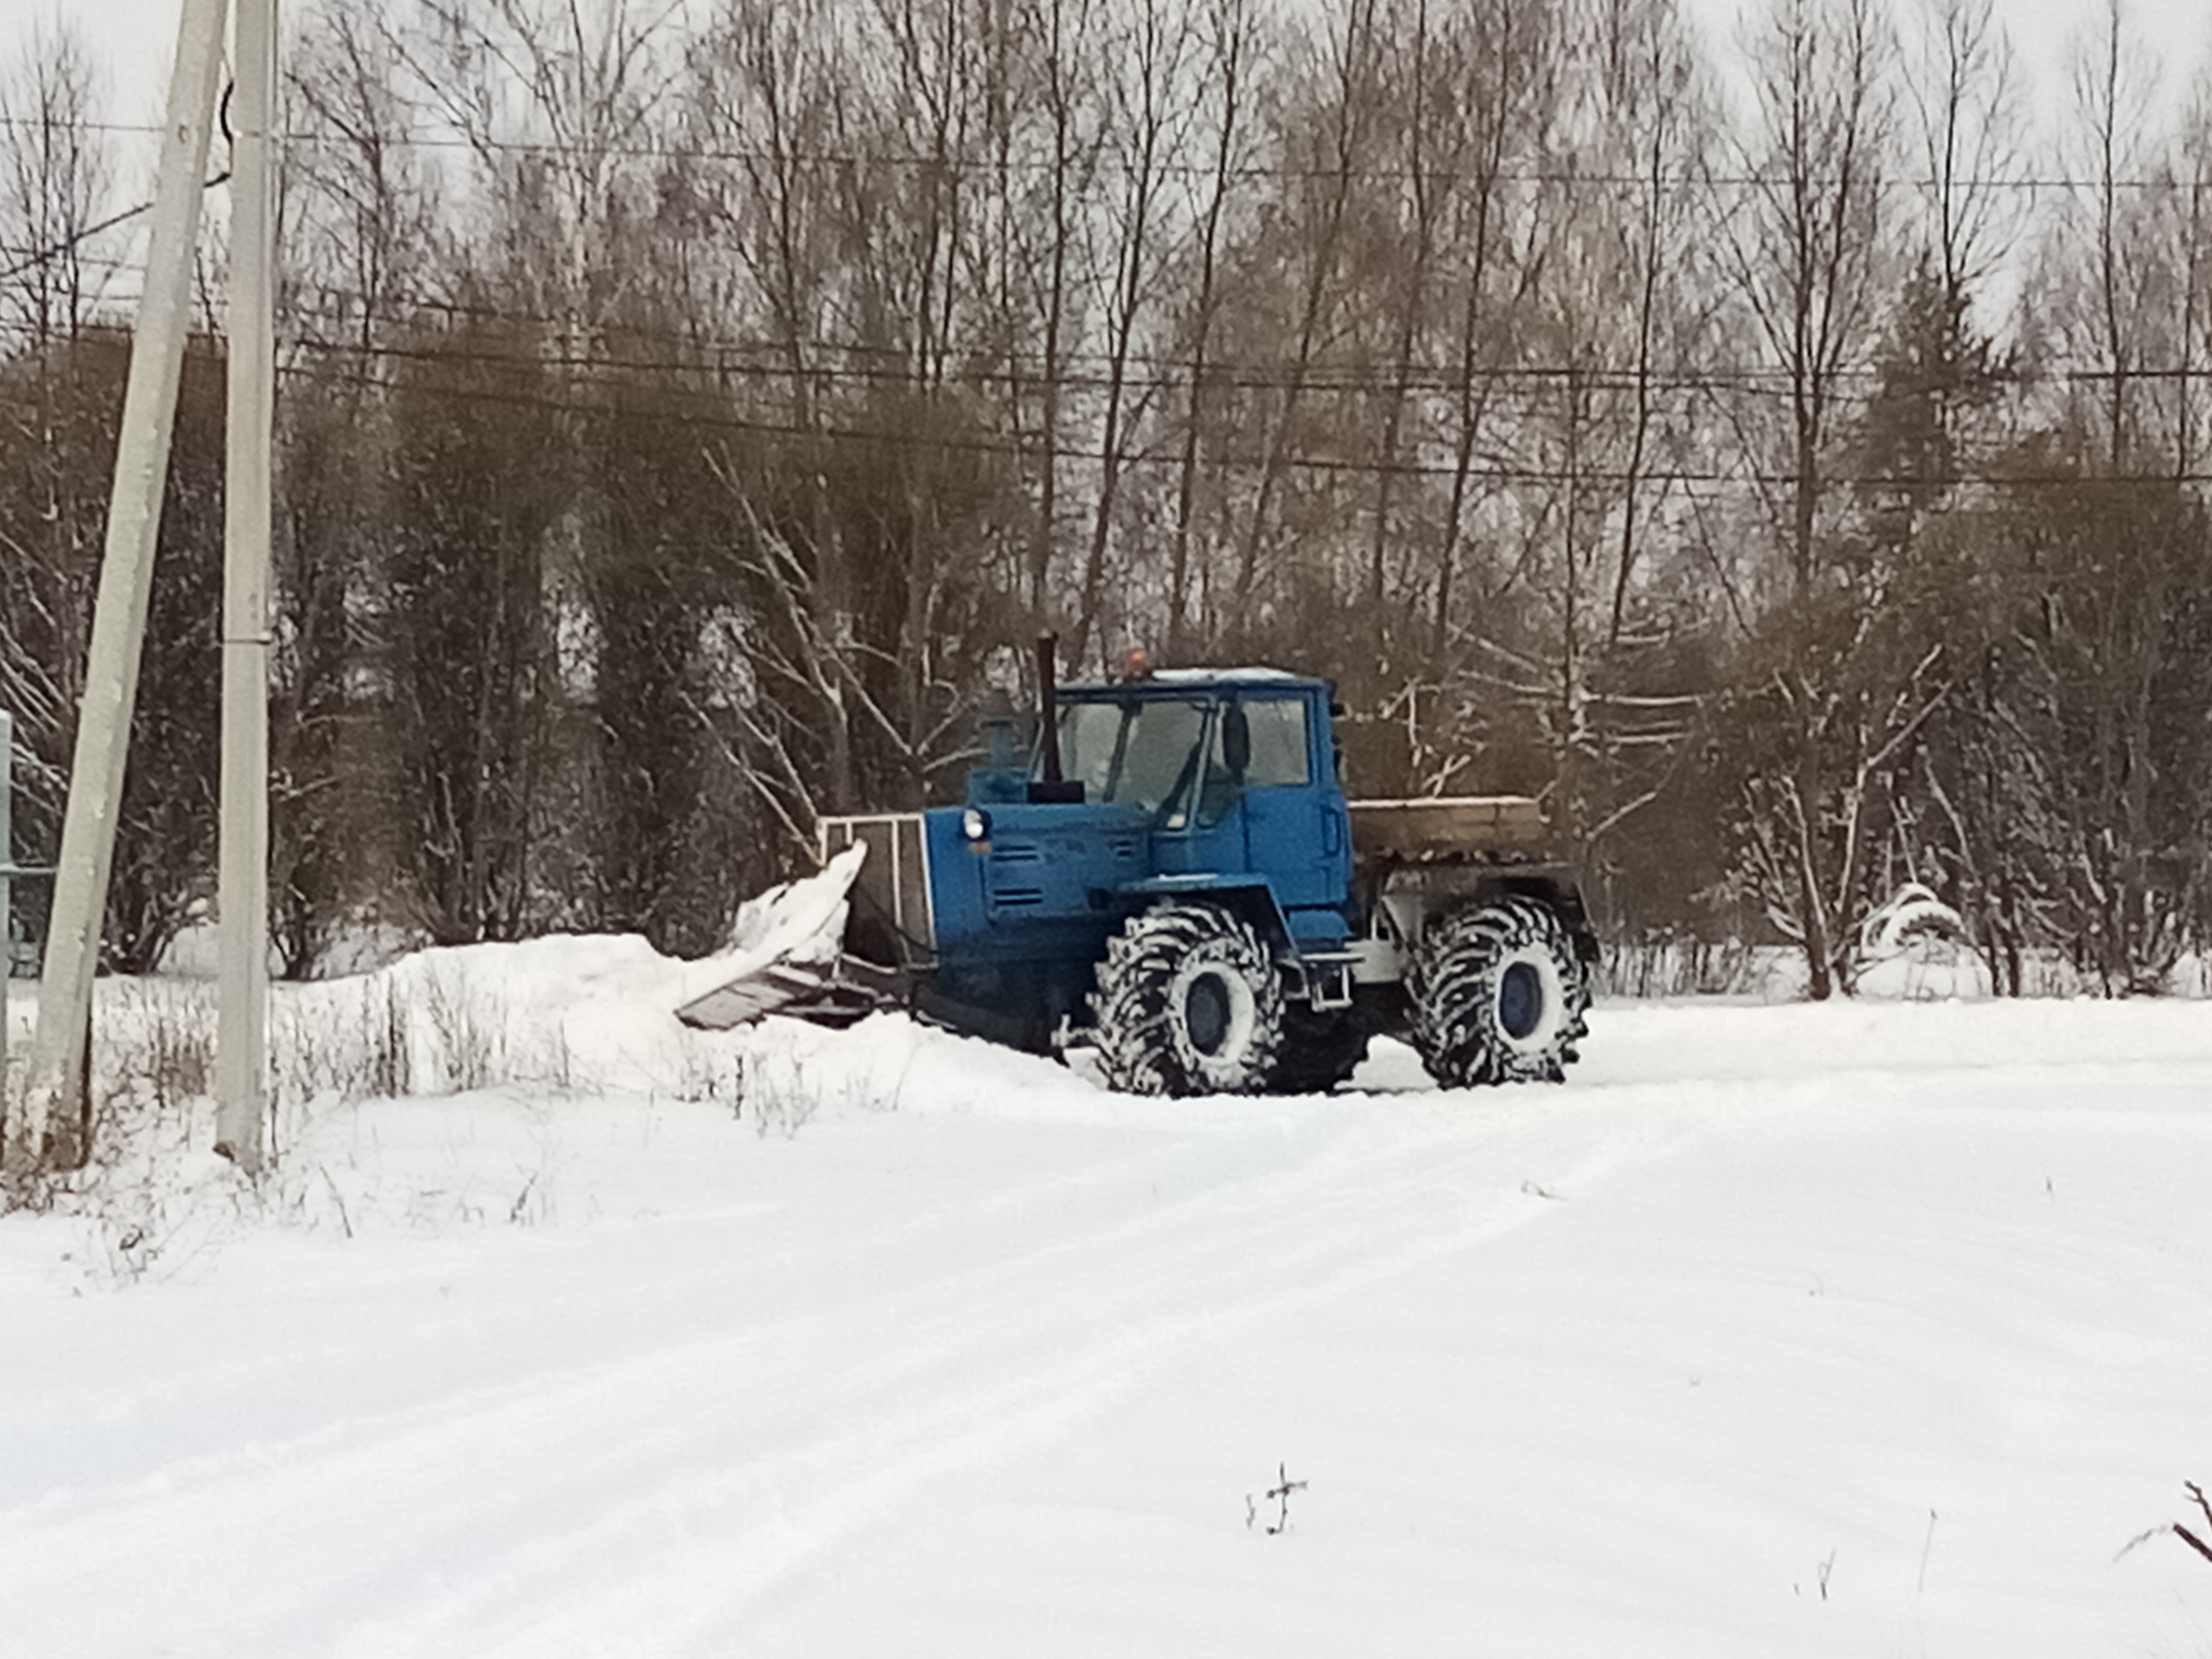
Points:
x=1499, y=995
x=1188, y=1003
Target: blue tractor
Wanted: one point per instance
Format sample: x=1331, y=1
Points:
x=1175, y=879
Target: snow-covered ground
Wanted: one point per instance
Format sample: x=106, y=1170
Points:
x=1864, y=1329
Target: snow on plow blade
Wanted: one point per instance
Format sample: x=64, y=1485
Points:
x=789, y=959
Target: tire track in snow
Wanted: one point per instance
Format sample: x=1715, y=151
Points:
x=715, y=1461
x=1257, y=1249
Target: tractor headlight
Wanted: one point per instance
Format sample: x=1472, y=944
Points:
x=975, y=824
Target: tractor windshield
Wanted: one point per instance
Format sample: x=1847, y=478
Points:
x=1137, y=752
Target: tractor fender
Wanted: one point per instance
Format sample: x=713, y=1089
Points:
x=1250, y=894
x=1415, y=894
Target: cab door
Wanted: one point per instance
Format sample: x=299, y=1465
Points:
x=1297, y=830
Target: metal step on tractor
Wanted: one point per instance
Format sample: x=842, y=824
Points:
x=1175, y=879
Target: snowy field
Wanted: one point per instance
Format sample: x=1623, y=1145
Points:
x=1859, y=1330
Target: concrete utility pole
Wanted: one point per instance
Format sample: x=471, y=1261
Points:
x=7, y=881
x=9, y=872
x=242, y=892
x=134, y=520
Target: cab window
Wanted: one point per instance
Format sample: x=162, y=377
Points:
x=1136, y=753
x=1279, y=756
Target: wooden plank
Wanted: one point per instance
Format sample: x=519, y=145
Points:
x=1446, y=827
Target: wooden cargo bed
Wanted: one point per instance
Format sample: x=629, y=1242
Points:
x=1508, y=827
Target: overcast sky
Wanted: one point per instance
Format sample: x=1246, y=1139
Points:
x=138, y=37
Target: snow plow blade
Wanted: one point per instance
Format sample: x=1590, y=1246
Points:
x=847, y=991
x=789, y=959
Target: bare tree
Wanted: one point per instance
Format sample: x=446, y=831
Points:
x=1809, y=254
x=2193, y=328
x=1429, y=152
x=1327, y=154
x=2111, y=80
x=1507, y=77
x=1961, y=79
x=1151, y=116
x=1652, y=94
x=1047, y=237
x=361, y=208
x=560, y=100
x=1234, y=54
x=1808, y=249
x=763, y=90
x=1940, y=365
x=1618, y=315
x=56, y=415
x=55, y=176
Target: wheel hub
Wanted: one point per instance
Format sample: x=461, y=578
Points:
x=1206, y=1014
x=1520, y=1001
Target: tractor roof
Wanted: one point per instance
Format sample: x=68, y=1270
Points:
x=1193, y=679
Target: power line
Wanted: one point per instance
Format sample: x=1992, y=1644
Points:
x=1327, y=380
x=1321, y=382
x=986, y=363
x=762, y=359
x=426, y=139
x=1016, y=447
x=829, y=361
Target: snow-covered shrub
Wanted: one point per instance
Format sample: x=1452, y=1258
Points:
x=1915, y=947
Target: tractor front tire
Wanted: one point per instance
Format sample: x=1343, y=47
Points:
x=1499, y=995
x=1187, y=1003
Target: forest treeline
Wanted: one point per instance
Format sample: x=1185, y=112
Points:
x=1784, y=455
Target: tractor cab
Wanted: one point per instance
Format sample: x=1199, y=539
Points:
x=1232, y=775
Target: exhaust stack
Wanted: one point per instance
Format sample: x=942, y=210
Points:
x=1047, y=667
x=1052, y=787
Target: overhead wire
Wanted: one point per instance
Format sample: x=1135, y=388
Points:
x=1488, y=470
x=1248, y=172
